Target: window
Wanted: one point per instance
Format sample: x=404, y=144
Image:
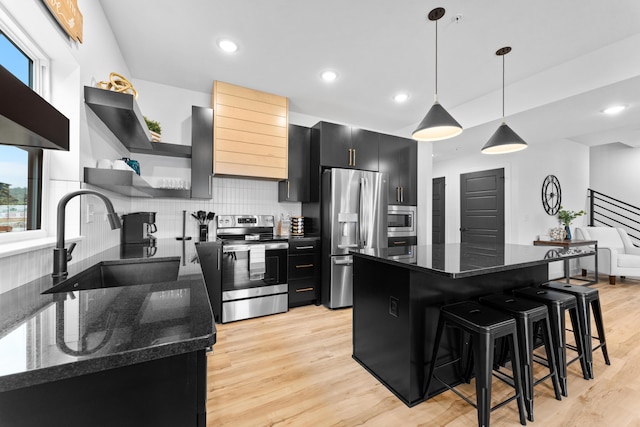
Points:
x=20, y=167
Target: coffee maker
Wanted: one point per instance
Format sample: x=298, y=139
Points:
x=138, y=227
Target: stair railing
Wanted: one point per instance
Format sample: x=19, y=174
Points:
x=608, y=211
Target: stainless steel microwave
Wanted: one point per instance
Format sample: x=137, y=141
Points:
x=401, y=221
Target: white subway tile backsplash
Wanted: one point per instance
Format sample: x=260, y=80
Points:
x=230, y=196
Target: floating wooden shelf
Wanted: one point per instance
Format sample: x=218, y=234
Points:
x=128, y=183
x=121, y=114
x=164, y=149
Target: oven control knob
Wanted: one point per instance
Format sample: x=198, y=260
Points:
x=224, y=220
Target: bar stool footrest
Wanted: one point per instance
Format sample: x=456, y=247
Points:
x=470, y=402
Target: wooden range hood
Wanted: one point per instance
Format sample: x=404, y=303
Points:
x=26, y=119
x=250, y=136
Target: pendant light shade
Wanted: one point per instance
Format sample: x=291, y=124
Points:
x=504, y=139
x=438, y=124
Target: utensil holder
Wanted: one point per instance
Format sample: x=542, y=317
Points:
x=204, y=232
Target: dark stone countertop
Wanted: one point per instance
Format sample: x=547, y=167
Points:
x=457, y=260
x=48, y=337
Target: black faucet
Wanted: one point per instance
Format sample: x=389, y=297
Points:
x=60, y=253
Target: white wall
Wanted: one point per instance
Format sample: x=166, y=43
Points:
x=75, y=65
x=615, y=171
x=524, y=172
x=71, y=67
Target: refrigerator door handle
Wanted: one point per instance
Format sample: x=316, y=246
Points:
x=343, y=262
x=361, y=224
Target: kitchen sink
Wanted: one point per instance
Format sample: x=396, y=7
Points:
x=107, y=274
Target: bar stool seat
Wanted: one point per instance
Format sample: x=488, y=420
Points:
x=484, y=325
x=558, y=303
x=585, y=297
x=528, y=314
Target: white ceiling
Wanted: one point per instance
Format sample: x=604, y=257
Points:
x=570, y=59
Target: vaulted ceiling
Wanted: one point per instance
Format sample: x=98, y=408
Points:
x=570, y=60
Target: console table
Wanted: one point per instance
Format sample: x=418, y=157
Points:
x=567, y=244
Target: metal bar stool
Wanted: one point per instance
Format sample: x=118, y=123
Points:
x=558, y=303
x=484, y=326
x=586, y=296
x=528, y=315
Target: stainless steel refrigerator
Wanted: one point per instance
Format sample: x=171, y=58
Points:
x=354, y=215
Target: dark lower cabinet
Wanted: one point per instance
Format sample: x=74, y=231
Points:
x=210, y=257
x=402, y=241
x=304, y=271
x=166, y=392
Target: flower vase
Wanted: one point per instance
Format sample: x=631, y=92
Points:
x=568, y=232
x=155, y=136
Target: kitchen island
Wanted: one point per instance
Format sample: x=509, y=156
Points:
x=114, y=354
x=397, y=300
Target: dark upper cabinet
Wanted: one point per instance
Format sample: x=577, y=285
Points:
x=201, y=152
x=335, y=143
x=347, y=147
x=398, y=157
x=296, y=187
x=365, y=149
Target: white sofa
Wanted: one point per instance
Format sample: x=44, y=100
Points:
x=617, y=256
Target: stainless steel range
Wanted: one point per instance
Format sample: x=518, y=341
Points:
x=250, y=269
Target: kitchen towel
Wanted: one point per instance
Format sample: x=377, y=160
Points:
x=257, y=264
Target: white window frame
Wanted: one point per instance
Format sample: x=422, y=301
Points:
x=41, y=80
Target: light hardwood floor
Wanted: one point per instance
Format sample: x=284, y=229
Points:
x=295, y=369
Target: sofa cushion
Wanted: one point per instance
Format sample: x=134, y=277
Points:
x=607, y=237
x=628, y=261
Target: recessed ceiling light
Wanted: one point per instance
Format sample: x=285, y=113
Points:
x=329, y=76
x=401, y=97
x=614, y=109
x=227, y=45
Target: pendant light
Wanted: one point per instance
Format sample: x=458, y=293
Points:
x=438, y=123
x=504, y=140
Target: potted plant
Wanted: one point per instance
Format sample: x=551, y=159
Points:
x=154, y=129
x=566, y=218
